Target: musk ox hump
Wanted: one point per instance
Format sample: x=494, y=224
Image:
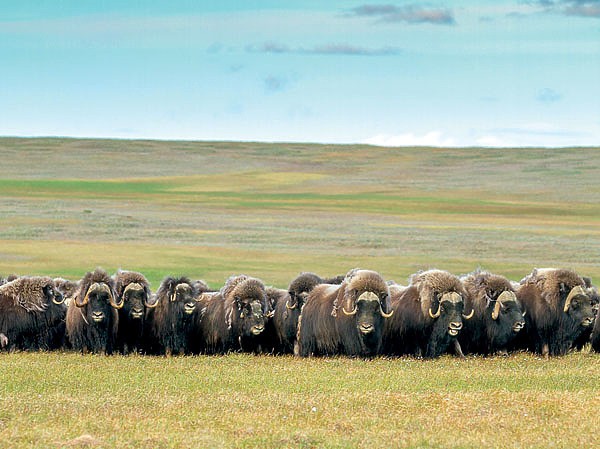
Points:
x=550, y=281
x=27, y=292
x=124, y=278
x=432, y=284
x=366, y=280
x=243, y=289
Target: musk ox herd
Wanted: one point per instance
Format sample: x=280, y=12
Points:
x=549, y=312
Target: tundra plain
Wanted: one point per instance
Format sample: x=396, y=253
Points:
x=212, y=209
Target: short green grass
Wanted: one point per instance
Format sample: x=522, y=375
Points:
x=69, y=400
x=212, y=209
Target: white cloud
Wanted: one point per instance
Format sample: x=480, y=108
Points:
x=431, y=139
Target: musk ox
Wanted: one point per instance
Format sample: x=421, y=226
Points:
x=92, y=317
x=558, y=309
x=345, y=319
x=234, y=318
x=31, y=313
x=428, y=315
x=66, y=288
x=171, y=321
x=133, y=290
x=498, y=316
x=282, y=331
x=586, y=335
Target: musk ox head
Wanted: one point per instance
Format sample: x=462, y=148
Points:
x=97, y=294
x=33, y=293
x=365, y=295
x=247, y=308
x=442, y=299
x=177, y=294
x=66, y=288
x=299, y=289
x=495, y=297
x=564, y=290
x=133, y=290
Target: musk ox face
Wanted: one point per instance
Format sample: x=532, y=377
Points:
x=183, y=297
x=506, y=311
x=99, y=302
x=368, y=313
x=52, y=294
x=449, y=314
x=134, y=297
x=99, y=299
x=577, y=305
x=252, y=319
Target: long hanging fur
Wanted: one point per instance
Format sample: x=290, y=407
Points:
x=29, y=320
x=483, y=334
x=132, y=329
x=170, y=325
x=551, y=330
x=325, y=329
x=411, y=330
x=227, y=317
x=83, y=333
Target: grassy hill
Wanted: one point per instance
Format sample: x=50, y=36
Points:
x=271, y=210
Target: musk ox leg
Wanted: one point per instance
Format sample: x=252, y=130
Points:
x=502, y=352
x=296, y=349
x=458, y=349
x=546, y=350
x=3, y=341
x=168, y=352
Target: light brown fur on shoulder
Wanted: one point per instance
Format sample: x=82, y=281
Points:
x=27, y=292
x=548, y=282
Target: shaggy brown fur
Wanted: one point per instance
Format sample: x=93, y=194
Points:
x=551, y=330
x=132, y=317
x=93, y=327
x=483, y=334
x=234, y=318
x=67, y=288
x=325, y=329
x=28, y=317
x=172, y=321
x=411, y=330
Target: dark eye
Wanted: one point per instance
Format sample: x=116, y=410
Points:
x=575, y=304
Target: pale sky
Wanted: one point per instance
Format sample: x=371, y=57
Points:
x=441, y=73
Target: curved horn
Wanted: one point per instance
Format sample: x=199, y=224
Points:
x=352, y=312
x=133, y=286
x=287, y=305
x=437, y=314
x=383, y=314
x=111, y=299
x=575, y=291
x=58, y=303
x=496, y=311
x=470, y=315
x=95, y=286
x=151, y=305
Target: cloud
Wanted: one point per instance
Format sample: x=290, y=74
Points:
x=579, y=8
x=431, y=139
x=547, y=95
x=327, y=49
x=413, y=13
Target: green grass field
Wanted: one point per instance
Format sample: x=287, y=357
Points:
x=209, y=210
